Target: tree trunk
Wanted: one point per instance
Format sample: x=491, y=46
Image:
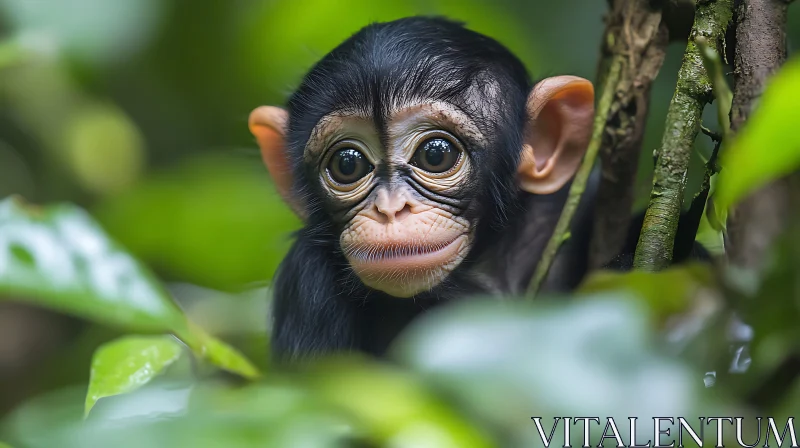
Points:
x=760, y=51
x=635, y=30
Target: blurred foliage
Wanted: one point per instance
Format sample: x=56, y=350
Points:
x=665, y=293
x=485, y=358
x=286, y=47
x=58, y=257
x=506, y=362
x=136, y=111
x=215, y=221
x=769, y=147
x=95, y=30
x=104, y=149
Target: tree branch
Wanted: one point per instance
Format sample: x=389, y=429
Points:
x=760, y=51
x=636, y=30
x=578, y=186
x=692, y=93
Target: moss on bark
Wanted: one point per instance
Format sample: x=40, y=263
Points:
x=692, y=92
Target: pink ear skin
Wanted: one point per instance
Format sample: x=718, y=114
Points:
x=560, y=115
x=268, y=125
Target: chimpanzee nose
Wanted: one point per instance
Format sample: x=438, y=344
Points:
x=392, y=206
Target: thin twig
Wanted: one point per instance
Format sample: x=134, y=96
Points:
x=724, y=98
x=722, y=93
x=578, y=186
x=713, y=135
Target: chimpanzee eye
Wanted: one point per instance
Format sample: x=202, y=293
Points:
x=348, y=165
x=436, y=155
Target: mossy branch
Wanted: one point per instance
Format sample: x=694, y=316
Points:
x=692, y=93
x=607, y=91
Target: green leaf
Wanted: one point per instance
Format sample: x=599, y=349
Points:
x=710, y=231
x=126, y=364
x=3, y=445
x=221, y=354
x=59, y=258
x=768, y=147
x=713, y=223
x=665, y=292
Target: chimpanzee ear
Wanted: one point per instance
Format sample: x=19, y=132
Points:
x=559, y=125
x=268, y=124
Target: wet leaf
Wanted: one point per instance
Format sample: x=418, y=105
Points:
x=128, y=363
x=60, y=258
x=768, y=147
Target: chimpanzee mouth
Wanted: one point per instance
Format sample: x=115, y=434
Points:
x=393, y=251
x=403, y=269
x=405, y=257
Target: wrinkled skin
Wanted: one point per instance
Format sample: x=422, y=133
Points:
x=418, y=169
x=396, y=239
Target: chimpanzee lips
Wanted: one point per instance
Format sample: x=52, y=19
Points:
x=392, y=251
x=404, y=268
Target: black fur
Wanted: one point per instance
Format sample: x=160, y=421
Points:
x=424, y=59
x=319, y=304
